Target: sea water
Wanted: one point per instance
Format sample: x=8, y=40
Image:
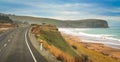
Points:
x=108, y=36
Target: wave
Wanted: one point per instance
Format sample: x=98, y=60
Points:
x=97, y=38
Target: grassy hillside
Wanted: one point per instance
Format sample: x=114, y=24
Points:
x=52, y=36
x=36, y=20
x=54, y=42
x=87, y=23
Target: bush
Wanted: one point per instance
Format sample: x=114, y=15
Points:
x=74, y=47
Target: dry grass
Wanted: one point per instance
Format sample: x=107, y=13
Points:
x=54, y=42
x=93, y=56
x=60, y=55
x=66, y=49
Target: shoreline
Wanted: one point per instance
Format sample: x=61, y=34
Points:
x=105, y=44
x=98, y=47
x=105, y=39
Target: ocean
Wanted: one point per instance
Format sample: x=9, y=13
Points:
x=107, y=36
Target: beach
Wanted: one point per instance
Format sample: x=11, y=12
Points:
x=109, y=36
x=98, y=47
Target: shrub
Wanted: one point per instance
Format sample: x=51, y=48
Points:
x=74, y=47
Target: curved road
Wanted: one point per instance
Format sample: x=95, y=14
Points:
x=15, y=47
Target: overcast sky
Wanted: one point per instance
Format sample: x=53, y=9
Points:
x=64, y=9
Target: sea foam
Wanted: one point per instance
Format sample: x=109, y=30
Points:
x=95, y=38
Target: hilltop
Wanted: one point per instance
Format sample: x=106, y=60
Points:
x=86, y=23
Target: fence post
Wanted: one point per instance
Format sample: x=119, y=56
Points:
x=41, y=46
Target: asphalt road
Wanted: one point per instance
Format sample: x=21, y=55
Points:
x=16, y=47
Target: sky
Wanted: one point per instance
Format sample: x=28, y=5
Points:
x=64, y=9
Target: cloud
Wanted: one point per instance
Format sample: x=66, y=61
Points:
x=65, y=11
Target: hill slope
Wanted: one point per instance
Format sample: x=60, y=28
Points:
x=54, y=42
x=5, y=19
x=87, y=23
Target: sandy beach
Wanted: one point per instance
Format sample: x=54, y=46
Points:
x=109, y=37
x=98, y=47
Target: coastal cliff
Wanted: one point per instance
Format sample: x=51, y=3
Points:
x=86, y=23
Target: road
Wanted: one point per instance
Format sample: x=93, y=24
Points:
x=15, y=47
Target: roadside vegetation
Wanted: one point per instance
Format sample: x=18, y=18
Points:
x=90, y=54
x=55, y=43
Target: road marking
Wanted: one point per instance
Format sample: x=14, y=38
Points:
x=5, y=45
x=29, y=48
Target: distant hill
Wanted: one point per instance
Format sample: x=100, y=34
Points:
x=5, y=19
x=86, y=23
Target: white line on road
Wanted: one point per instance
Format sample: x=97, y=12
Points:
x=5, y=45
x=29, y=47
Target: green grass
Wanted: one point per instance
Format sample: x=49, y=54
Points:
x=53, y=37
